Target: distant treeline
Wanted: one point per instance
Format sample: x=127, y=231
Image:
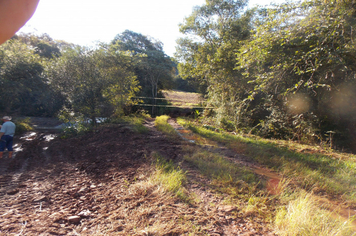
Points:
x=282, y=71
x=40, y=76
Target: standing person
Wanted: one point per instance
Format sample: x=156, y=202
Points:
x=7, y=132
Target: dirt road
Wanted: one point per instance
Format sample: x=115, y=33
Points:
x=98, y=184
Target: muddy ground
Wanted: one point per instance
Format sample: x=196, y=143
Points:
x=97, y=184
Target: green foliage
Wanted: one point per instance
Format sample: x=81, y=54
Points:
x=154, y=69
x=298, y=58
x=22, y=126
x=40, y=76
x=294, y=76
x=23, y=87
x=75, y=124
x=73, y=130
x=96, y=82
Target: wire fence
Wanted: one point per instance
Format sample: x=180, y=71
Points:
x=169, y=105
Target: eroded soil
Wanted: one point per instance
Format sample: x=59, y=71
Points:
x=98, y=184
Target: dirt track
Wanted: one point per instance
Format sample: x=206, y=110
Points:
x=97, y=184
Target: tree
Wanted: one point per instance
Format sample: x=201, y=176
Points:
x=214, y=34
x=154, y=69
x=285, y=71
x=117, y=67
x=300, y=59
x=93, y=81
x=23, y=88
x=43, y=44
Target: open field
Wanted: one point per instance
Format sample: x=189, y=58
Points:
x=183, y=99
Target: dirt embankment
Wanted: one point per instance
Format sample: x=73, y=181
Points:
x=98, y=184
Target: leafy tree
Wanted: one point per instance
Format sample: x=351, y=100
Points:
x=214, y=34
x=94, y=81
x=24, y=90
x=44, y=45
x=294, y=76
x=300, y=59
x=154, y=69
x=117, y=67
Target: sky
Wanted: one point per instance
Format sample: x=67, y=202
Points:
x=86, y=22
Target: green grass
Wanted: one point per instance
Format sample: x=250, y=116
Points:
x=293, y=211
x=162, y=125
x=137, y=124
x=218, y=168
x=312, y=171
x=170, y=177
x=241, y=186
x=136, y=121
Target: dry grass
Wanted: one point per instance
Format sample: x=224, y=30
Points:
x=183, y=99
x=302, y=216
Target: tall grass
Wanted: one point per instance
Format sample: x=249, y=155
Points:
x=302, y=216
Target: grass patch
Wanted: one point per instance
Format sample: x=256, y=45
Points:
x=303, y=217
x=312, y=170
x=218, y=168
x=136, y=121
x=170, y=177
x=243, y=188
x=162, y=125
x=294, y=211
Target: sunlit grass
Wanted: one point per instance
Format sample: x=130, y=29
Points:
x=241, y=186
x=162, y=125
x=302, y=216
x=186, y=99
x=313, y=171
x=293, y=211
x=218, y=168
x=170, y=177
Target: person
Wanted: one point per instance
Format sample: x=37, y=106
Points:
x=13, y=15
x=7, y=132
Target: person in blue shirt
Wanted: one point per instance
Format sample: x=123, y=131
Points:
x=7, y=132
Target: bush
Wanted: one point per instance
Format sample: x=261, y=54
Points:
x=23, y=125
x=74, y=130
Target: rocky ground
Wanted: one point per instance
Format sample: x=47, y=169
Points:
x=99, y=184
